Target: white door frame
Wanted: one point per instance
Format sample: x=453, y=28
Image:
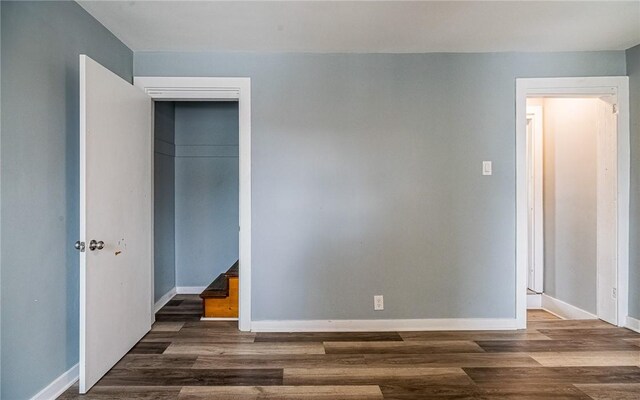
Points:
x=220, y=89
x=535, y=151
x=573, y=87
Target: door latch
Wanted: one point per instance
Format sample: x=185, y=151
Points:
x=79, y=246
x=93, y=245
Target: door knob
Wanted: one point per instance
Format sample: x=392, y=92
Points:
x=93, y=245
x=79, y=246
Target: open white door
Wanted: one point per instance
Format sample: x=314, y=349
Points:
x=607, y=209
x=535, y=172
x=115, y=219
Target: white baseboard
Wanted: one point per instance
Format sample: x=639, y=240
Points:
x=164, y=300
x=564, y=310
x=58, y=386
x=382, y=325
x=633, y=324
x=190, y=289
x=534, y=301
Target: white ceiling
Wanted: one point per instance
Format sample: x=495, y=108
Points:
x=370, y=27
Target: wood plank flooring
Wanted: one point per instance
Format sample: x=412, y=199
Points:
x=183, y=358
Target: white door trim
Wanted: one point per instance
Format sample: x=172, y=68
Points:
x=573, y=87
x=220, y=89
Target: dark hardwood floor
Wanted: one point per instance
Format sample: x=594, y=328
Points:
x=188, y=359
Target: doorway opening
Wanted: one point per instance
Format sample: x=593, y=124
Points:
x=196, y=208
x=572, y=197
x=571, y=184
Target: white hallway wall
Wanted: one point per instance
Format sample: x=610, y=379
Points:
x=570, y=200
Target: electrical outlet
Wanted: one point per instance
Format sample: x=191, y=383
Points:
x=378, y=303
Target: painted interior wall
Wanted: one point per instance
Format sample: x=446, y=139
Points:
x=633, y=69
x=206, y=189
x=164, y=199
x=366, y=173
x=365, y=168
x=570, y=200
x=39, y=211
x=0, y=202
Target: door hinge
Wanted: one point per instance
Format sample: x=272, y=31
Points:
x=615, y=108
x=614, y=293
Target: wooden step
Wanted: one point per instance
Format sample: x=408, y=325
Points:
x=220, y=286
x=220, y=298
x=233, y=271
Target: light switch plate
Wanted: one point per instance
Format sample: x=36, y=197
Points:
x=486, y=168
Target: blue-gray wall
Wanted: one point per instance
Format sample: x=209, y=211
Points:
x=633, y=69
x=367, y=177
x=41, y=42
x=206, y=190
x=0, y=203
x=164, y=189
